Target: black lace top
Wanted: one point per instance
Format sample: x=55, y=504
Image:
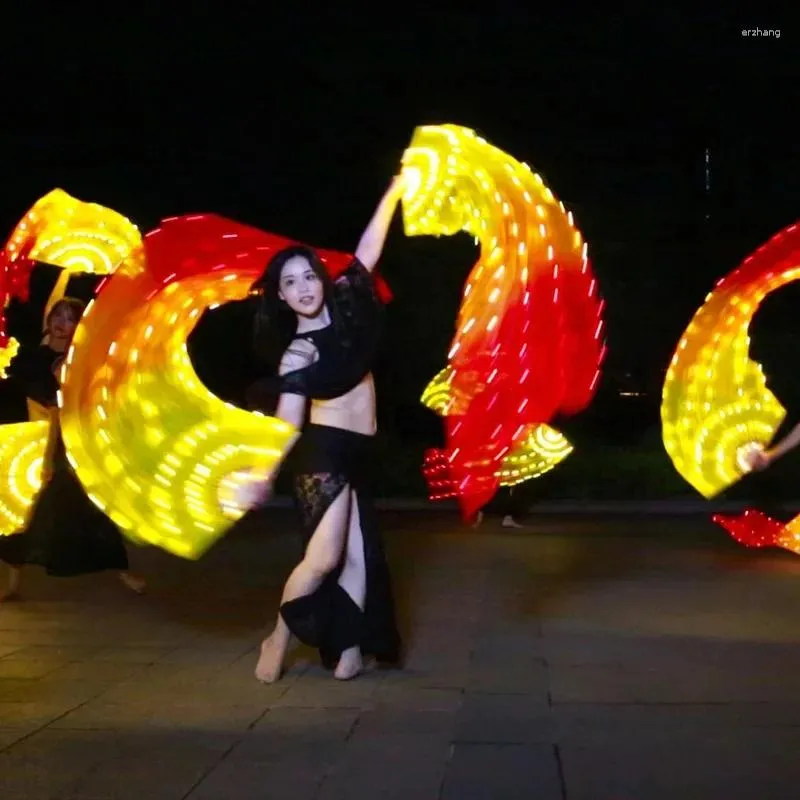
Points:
x=347, y=347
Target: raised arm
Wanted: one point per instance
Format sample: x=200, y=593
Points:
x=372, y=240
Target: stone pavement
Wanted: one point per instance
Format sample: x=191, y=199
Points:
x=636, y=658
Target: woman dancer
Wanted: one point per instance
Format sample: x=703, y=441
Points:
x=322, y=337
x=66, y=534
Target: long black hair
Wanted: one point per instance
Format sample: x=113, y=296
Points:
x=275, y=324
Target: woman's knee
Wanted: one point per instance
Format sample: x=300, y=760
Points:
x=320, y=561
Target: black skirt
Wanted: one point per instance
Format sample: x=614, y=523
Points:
x=326, y=462
x=66, y=533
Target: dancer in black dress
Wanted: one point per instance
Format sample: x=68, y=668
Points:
x=339, y=597
x=66, y=533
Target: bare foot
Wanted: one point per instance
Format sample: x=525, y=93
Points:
x=270, y=663
x=350, y=664
x=133, y=582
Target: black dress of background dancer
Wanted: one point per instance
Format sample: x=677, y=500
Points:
x=66, y=533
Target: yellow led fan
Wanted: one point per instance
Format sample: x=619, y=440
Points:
x=154, y=448
x=715, y=403
x=78, y=237
x=456, y=182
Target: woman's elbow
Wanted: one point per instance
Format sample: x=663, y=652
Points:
x=368, y=253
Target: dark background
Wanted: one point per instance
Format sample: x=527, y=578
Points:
x=295, y=122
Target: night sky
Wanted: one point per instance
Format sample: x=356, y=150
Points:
x=295, y=122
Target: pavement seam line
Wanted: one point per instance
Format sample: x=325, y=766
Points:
x=562, y=780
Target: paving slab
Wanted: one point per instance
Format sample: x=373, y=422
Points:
x=504, y=719
x=394, y=765
x=511, y=772
x=742, y=765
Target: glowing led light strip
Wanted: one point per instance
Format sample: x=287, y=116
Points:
x=157, y=451
x=528, y=340
x=22, y=449
x=537, y=450
x=715, y=402
x=79, y=237
x=66, y=232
